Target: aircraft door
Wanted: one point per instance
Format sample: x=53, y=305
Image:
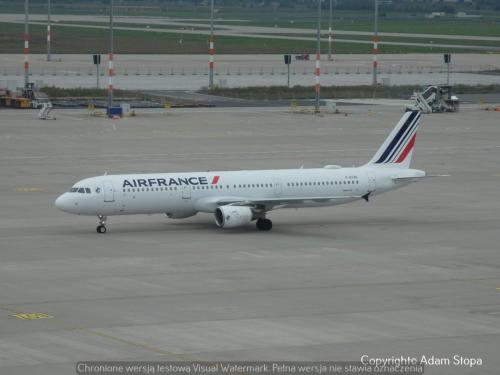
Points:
x=109, y=191
x=186, y=192
x=278, y=187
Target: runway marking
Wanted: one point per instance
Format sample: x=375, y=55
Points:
x=134, y=343
x=29, y=190
x=32, y=316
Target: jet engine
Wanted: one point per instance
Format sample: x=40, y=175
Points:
x=232, y=216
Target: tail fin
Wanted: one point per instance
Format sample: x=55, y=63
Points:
x=397, y=149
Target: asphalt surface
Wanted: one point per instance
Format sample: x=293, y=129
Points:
x=413, y=272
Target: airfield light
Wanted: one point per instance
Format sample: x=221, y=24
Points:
x=318, y=58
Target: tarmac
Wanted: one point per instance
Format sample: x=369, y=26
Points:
x=413, y=272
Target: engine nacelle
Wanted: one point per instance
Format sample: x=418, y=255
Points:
x=232, y=216
x=180, y=214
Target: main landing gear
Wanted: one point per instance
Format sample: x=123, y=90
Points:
x=264, y=224
x=101, y=228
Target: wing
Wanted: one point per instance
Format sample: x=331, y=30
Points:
x=273, y=203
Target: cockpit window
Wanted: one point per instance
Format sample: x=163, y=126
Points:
x=87, y=190
x=73, y=190
x=81, y=190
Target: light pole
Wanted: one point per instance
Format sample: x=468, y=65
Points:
x=375, y=45
x=318, y=57
x=110, y=60
x=48, y=31
x=26, y=49
x=211, y=50
x=330, y=36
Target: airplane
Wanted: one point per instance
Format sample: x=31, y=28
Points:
x=236, y=198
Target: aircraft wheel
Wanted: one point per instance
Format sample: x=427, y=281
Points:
x=101, y=229
x=264, y=224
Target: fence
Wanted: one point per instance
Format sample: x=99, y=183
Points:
x=249, y=71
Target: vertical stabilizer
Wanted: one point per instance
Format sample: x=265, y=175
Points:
x=397, y=149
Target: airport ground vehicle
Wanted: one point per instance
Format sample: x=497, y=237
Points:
x=302, y=57
x=434, y=99
x=27, y=97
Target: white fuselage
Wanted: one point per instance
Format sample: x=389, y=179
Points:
x=239, y=197
x=182, y=195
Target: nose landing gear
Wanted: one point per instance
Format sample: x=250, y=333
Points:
x=101, y=228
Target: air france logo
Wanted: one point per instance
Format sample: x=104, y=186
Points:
x=179, y=181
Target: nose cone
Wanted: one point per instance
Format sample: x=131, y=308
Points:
x=64, y=203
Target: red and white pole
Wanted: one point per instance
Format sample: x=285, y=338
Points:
x=211, y=62
x=318, y=58
x=330, y=38
x=26, y=49
x=330, y=34
x=375, y=45
x=375, y=58
x=317, y=72
x=110, y=60
x=48, y=31
x=211, y=49
x=110, y=73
